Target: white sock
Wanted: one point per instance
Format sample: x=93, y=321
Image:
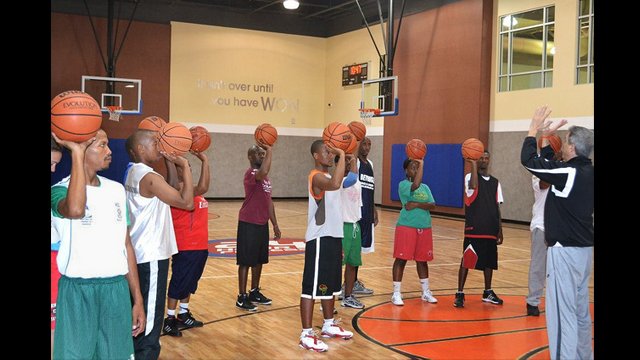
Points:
x=184, y=308
x=171, y=312
x=305, y=332
x=327, y=323
x=425, y=284
x=396, y=286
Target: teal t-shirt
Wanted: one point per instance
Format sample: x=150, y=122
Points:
x=416, y=218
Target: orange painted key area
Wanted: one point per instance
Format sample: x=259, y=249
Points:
x=441, y=331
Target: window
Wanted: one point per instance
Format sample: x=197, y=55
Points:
x=526, y=49
x=584, y=73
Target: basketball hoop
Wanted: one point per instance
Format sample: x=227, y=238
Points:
x=367, y=114
x=114, y=112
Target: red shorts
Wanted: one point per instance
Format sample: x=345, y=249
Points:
x=55, y=276
x=413, y=244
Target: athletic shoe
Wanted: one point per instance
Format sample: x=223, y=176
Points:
x=335, y=330
x=459, y=301
x=352, y=302
x=533, y=310
x=256, y=297
x=187, y=321
x=359, y=288
x=243, y=303
x=170, y=327
x=428, y=297
x=396, y=299
x=311, y=341
x=491, y=297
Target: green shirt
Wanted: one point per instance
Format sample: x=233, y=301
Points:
x=416, y=218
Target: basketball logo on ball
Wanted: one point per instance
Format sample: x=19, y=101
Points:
x=472, y=148
x=266, y=134
x=75, y=116
x=174, y=138
x=337, y=135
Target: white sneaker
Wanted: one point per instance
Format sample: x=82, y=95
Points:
x=428, y=297
x=396, y=299
x=334, y=330
x=311, y=341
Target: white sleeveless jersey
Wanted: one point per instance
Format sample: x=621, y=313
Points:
x=94, y=246
x=152, y=233
x=324, y=216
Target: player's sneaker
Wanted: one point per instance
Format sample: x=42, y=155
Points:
x=396, y=299
x=256, y=297
x=491, y=297
x=533, y=310
x=459, y=300
x=170, y=327
x=359, y=288
x=335, y=330
x=352, y=302
x=311, y=341
x=243, y=303
x=428, y=297
x=187, y=321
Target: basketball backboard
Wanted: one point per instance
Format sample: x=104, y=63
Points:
x=115, y=91
x=381, y=94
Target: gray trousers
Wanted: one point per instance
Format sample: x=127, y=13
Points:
x=567, y=302
x=537, y=267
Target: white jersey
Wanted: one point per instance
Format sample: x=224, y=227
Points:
x=540, y=197
x=324, y=216
x=351, y=202
x=94, y=246
x=152, y=233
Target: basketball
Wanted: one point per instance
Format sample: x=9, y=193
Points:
x=554, y=141
x=174, y=138
x=358, y=130
x=472, y=148
x=416, y=149
x=153, y=123
x=337, y=135
x=266, y=134
x=200, y=139
x=75, y=116
x=352, y=145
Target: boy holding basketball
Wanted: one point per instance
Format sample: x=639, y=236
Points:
x=253, y=227
x=321, y=277
x=482, y=228
x=149, y=197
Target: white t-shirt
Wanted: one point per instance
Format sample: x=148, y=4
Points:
x=351, y=202
x=152, y=233
x=540, y=197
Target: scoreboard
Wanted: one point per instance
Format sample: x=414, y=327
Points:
x=354, y=74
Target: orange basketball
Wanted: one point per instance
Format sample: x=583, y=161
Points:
x=352, y=145
x=153, y=123
x=174, y=138
x=75, y=116
x=337, y=135
x=416, y=149
x=266, y=134
x=358, y=130
x=472, y=148
x=200, y=139
x=554, y=141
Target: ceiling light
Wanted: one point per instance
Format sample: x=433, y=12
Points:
x=509, y=21
x=553, y=50
x=129, y=86
x=291, y=4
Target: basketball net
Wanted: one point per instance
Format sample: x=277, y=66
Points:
x=114, y=112
x=367, y=114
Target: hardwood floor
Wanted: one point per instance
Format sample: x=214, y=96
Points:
x=273, y=331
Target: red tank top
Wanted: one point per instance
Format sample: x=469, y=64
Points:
x=192, y=227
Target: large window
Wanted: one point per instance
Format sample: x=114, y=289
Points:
x=526, y=49
x=585, y=42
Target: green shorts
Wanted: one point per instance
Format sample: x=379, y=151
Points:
x=351, y=245
x=93, y=319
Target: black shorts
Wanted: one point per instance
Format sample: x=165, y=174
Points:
x=186, y=270
x=252, y=246
x=480, y=254
x=322, y=276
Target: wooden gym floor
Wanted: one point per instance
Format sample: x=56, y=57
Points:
x=381, y=330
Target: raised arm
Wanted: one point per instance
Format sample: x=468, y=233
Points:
x=73, y=205
x=154, y=185
x=321, y=183
x=266, y=162
x=205, y=177
x=417, y=180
